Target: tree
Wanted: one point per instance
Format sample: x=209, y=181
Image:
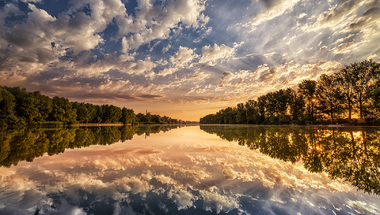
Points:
x=329, y=96
x=112, y=114
x=363, y=74
x=7, y=102
x=148, y=117
x=127, y=116
x=307, y=89
x=25, y=104
x=347, y=82
x=62, y=110
x=44, y=106
x=83, y=115
x=297, y=106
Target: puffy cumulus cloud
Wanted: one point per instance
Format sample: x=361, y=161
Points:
x=43, y=41
x=71, y=29
x=182, y=198
x=181, y=59
x=226, y=77
x=218, y=202
x=210, y=55
x=156, y=21
x=39, y=42
x=272, y=9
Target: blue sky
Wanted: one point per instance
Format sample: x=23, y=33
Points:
x=184, y=58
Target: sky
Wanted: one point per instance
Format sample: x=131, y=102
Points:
x=180, y=58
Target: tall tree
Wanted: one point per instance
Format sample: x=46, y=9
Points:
x=127, y=116
x=307, y=88
x=7, y=102
x=363, y=74
x=347, y=81
x=329, y=96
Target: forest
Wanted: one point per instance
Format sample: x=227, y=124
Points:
x=19, y=107
x=350, y=96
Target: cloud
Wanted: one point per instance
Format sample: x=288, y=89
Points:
x=272, y=9
x=226, y=77
x=337, y=15
x=157, y=21
x=211, y=55
x=181, y=59
x=368, y=18
x=200, y=38
x=166, y=49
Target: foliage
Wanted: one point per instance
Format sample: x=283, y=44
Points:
x=19, y=107
x=330, y=98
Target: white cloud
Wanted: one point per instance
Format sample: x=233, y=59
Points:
x=181, y=59
x=166, y=49
x=273, y=9
x=302, y=15
x=211, y=54
x=157, y=21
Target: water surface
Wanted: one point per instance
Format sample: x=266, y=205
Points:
x=190, y=170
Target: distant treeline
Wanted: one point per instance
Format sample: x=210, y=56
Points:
x=19, y=107
x=27, y=144
x=355, y=89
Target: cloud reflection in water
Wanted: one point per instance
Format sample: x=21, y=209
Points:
x=182, y=171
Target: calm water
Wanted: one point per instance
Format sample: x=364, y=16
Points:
x=190, y=170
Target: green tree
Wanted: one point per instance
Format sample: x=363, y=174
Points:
x=62, y=110
x=44, y=106
x=127, y=116
x=7, y=102
x=26, y=104
x=112, y=114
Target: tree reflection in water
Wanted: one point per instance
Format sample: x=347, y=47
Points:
x=352, y=154
x=20, y=145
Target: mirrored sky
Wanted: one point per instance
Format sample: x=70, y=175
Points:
x=184, y=171
x=184, y=58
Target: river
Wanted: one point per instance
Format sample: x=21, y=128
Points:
x=190, y=170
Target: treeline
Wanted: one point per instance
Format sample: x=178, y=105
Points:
x=335, y=98
x=350, y=154
x=19, y=107
x=19, y=145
